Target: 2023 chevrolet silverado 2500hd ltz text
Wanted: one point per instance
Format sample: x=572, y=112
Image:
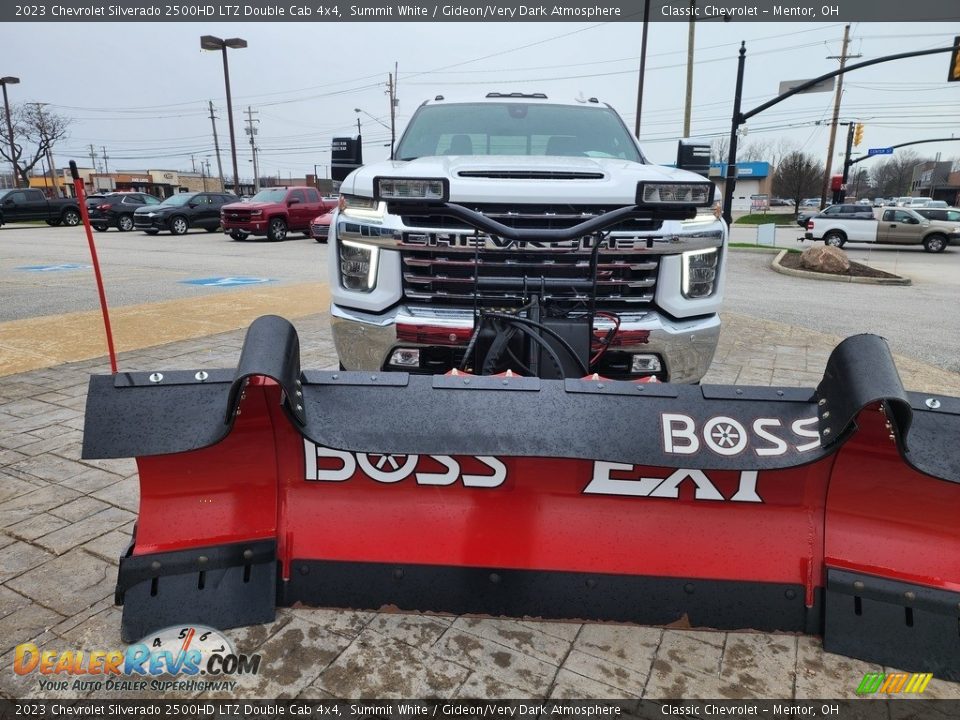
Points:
x=526, y=234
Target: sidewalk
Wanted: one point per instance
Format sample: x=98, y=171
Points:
x=63, y=523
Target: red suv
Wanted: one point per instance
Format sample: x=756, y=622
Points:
x=273, y=212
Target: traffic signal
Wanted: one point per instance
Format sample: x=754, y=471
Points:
x=954, y=75
x=857, y=134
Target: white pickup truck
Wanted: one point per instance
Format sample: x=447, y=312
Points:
x=840, y=224
x=496, y=206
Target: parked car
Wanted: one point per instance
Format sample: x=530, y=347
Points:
x=810, y=202
x=885, y=226
x=944, y=214
x=24, y=204
x=916, y=202
x=274, y=212
x=116, y=209
x=179, y=213
x=320, y=226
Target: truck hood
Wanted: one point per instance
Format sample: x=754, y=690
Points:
x=521, y=179
x=250, y=206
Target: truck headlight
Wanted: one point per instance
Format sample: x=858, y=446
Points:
x=358, y=266
x=695, y=194
x=699, y=272
x=362, y=208
x=387, y=188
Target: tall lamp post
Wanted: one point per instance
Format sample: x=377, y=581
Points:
x=211, y=42
x=4, y=81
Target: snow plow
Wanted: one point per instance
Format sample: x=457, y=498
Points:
x=829, y=511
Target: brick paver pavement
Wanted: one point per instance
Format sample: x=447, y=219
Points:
x=63, y=523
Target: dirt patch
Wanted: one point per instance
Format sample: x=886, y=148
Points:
x=792, y=261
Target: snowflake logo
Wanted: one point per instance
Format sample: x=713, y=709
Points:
x=726, y=436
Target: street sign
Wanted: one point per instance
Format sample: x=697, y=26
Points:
x=880, y=151
x=822, y=86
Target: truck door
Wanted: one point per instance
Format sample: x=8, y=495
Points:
x=13, y=206
x=297, y=212
x=35, y=207
x=898, y=227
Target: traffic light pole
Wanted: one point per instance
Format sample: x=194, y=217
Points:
x=739, y=118
x=838, y=195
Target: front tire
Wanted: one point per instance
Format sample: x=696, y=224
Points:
x=238, y=234
x=935, y=243
x=100, y=228
x=277, y=230
x=179, y=225
x=70, y=218
x=54, y=223
x=835, y=239
x=212, y=229
x=125, y=223
x=151, y=232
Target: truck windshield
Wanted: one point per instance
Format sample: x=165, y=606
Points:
x=512, y=128
x=178, y=200
x=270, y=196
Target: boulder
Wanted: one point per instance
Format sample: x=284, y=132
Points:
x=825, y=259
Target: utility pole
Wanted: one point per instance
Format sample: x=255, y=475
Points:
x=842, y=57
x=252, y=132
x=643, y=66
x=838, y=195
x=106, y=168
x=203, y=176
x=691, y=33
x=93, y=158
x=392, y=90
x=216, y=146
x=193, y=162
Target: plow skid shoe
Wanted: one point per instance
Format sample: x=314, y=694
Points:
x=830, y=510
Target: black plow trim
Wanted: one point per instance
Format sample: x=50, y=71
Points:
x=131, y=415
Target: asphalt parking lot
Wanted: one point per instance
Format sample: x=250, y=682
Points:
x=63, y=521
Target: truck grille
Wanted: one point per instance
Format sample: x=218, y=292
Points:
x=506, y=278
x=538, y=217
x=236, y=215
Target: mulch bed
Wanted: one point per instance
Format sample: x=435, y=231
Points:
x=792, y=260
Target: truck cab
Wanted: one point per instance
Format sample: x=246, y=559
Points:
x=516, y=204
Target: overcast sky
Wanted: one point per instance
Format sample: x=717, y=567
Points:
x=141, y=89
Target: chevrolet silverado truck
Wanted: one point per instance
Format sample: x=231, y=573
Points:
x=840, y=224
x=273, y=212
x=539, y=218
x=25, y=204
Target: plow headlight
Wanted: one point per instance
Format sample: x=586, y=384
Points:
x=699, y=272
x=360, y=207
x=675, y=193
x=423, y=189
x=358, y=266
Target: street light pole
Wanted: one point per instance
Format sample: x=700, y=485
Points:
x=6, y=104
x=643, y=66
x=211, y=42
x=730, y=182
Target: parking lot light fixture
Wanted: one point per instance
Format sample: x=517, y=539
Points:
x=4, y=81
x=212, y=42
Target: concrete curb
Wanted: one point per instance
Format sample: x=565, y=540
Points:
x=777, y=267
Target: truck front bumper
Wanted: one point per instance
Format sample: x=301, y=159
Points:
x=365, y=341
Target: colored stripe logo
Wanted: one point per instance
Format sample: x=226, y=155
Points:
x=893, y=683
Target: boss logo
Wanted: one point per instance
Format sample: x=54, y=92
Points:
x=766, y=437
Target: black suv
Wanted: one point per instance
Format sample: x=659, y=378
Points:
x=179, y=213
x=116, y=209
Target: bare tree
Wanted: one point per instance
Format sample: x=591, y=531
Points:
x=797, y=176
x=719, y=149
x=755, y=151
x=36, y=131
x=892, y=175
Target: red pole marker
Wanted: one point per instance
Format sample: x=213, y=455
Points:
x=82, y=201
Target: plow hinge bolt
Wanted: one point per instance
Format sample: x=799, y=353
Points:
x=779, y=393
x=373, y=377
x=591, y=583
x=201, y=376
x=640, y=388
x=156, y=377
x=398, y=573
x=688, y=588
x=858, y=586
x=299, y=394
x=892, y=436
x=466, y=381
x=739, y=391
x=826, y=431
x=155, y=565
x=910, y=595
x=247, y=554
x=505, y=382
x=790, y=594
x=202, y=560
x=822, y=402
x=304, y=570
x=932, y=403
x=599, y=386
x=826, y=414
x=494, y=578
x=334, y=376
x=299, y=408
x=299, y=384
